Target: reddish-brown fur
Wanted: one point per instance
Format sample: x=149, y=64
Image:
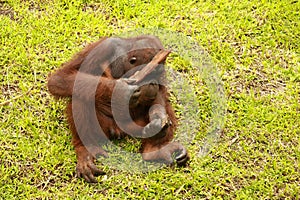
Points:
x=92, y=77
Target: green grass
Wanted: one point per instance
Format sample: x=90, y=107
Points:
x=255, y=45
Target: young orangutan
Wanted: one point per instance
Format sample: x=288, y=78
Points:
x=106, y=104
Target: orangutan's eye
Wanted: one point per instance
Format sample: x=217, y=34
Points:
x=132, y=60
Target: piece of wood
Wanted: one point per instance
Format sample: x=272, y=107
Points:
x=14, y=98
x=158, y=58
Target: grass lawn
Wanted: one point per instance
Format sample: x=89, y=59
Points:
x=253, y=44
